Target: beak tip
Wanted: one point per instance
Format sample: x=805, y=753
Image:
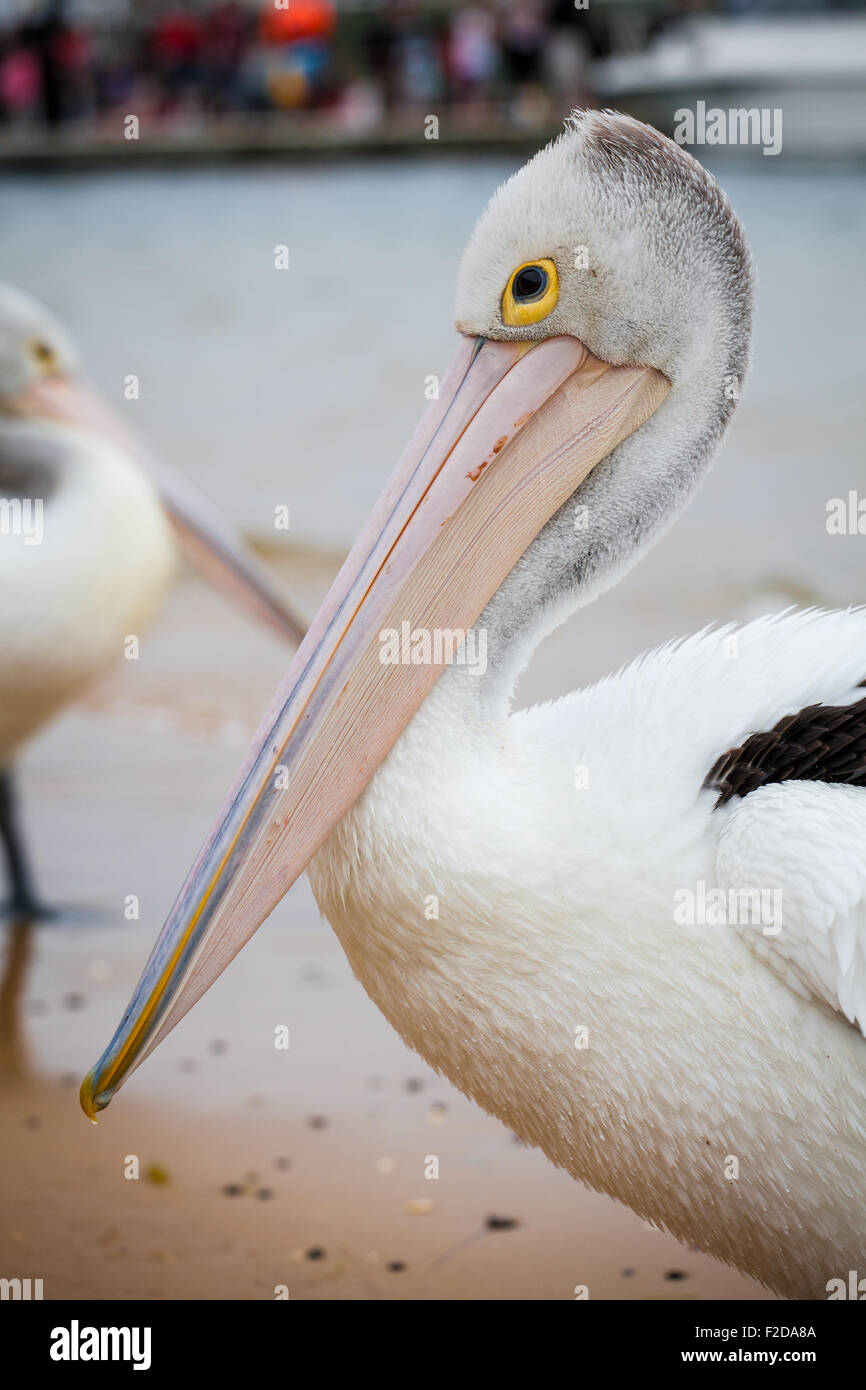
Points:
x=91, y=1101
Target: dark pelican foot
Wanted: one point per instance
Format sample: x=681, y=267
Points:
x=27, y=909
x=24, y=903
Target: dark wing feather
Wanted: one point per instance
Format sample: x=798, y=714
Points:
x=821, y=743
x=28, y=465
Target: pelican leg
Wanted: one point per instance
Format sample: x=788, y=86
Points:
x=23, y=901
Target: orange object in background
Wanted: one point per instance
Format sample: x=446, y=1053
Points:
x=303, y=19
x=287, y=90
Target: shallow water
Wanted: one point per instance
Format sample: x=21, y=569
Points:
x=300, y=386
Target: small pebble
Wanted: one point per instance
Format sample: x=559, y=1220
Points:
x=627, y=1273
x=157, y=1175
x=282, y=1164
x=74, y=1001
x=217, y=1047
x=318, y=1122
x=315, y=1253
x=264, y=1194
x=395, y=1267
x=232, y=1189
x=676, y=1274
x=501, y=1223
x=414, y=1084
x=419, y=1206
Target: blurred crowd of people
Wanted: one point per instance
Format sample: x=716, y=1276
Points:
x=164, y=59
x=67, y=61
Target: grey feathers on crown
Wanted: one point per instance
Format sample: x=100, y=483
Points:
x=684, y=214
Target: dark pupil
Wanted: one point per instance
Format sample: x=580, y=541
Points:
x=530, y=282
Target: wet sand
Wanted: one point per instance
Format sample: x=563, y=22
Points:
x=257, y=1168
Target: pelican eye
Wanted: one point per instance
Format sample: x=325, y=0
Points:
x=43, y=353
x=530, y=283
x=531, y=293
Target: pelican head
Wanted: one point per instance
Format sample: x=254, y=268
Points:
x=34, y=348
x=603, y=308
x=42, y=385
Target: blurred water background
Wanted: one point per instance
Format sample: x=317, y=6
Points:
x=298, y=387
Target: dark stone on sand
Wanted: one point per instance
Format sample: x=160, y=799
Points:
x=501, y=1223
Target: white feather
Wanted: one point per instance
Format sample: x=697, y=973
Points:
x=556, y=912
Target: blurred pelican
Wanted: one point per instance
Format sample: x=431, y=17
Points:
x=540, y=902
x=86, y=549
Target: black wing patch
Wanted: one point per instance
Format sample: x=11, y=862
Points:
x=26, y=470
x=821, y=743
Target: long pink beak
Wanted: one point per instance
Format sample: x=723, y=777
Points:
x=208, y=541
x=516, y=429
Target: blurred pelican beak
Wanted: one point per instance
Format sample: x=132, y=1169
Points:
x=207, y=539
x=516, y=428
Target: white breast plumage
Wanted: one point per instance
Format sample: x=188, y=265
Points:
x=67, y=604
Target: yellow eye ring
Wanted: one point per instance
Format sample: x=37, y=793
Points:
x=43, y=353
x=531, y=293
